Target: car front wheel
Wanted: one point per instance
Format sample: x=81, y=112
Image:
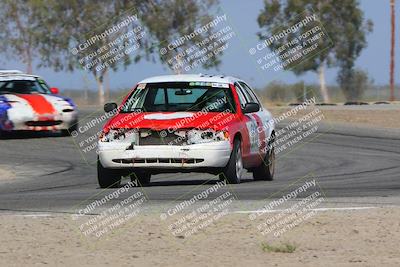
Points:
x=234, y=169
x=142, y=177
x=108, y=178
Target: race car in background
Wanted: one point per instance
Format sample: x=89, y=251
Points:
x=187, y=123
x=28, y=103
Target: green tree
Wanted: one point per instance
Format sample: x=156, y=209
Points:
x=163, y=21
x=343, y=22
x=353, y=83
x=73, y=23
x=21, y=32
x=171, y=19
x=62, y=25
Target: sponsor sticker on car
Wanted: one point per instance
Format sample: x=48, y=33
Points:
x=217, y=85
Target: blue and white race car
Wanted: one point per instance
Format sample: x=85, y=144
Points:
x=28, y=103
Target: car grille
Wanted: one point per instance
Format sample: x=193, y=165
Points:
x=161, y=138
x=159, y=160
x=43, y=123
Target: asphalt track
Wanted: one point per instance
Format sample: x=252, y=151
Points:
x=348, y=163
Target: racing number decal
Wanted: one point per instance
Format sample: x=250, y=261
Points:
x=257, y=135
x=261, y=134
x=253, y=135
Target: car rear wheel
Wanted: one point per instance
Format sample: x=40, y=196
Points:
x=108, y=178
x=234, y=169
x=142, y=177
x=266, y=170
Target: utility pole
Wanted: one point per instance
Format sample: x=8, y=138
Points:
x=392, y=15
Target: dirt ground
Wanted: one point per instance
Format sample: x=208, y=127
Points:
x=329, y=238
x=386, y=118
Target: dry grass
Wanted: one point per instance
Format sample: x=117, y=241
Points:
x=281, y=248
x=382, y=118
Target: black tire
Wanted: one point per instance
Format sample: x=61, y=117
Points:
x=266, y=170
x=143, y=177
x=70, y=130
x=108, y=178
x=234, y=169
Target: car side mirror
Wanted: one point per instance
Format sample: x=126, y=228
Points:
x=108, y=107
x=54, y=90
x=251, y=107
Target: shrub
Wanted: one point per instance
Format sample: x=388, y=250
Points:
x=276, y=91
x=353, y=82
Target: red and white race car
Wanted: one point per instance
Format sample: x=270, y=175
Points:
x=187, y=123
x=28, y=103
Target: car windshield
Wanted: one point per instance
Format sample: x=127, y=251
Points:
x=179, y=97
x=24, y=87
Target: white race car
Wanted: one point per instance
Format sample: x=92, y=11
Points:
x=187, y=123
x=28, y=103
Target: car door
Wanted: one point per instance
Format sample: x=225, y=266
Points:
x=251, y=135
x=261, y=118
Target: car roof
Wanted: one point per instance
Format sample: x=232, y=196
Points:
x=191, y=78
x=16, y=75
x=10, y=71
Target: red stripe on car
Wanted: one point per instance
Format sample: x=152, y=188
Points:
x=39, y=104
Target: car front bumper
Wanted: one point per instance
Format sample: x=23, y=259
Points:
x=27, y=122
x=213, y=154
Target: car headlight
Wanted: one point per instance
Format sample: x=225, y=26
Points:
x=206, y=136
x=119, y=135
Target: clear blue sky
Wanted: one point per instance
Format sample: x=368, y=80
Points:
x=237, y=61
